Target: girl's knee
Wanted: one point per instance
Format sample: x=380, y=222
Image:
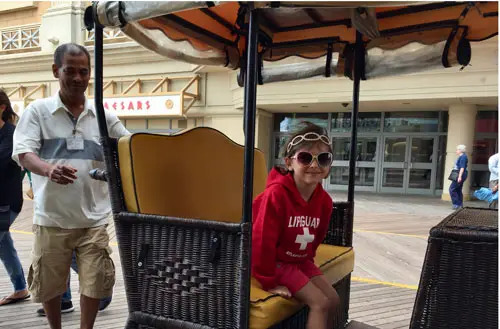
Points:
x=334, y=300
x=333, y=296
x=321, y=304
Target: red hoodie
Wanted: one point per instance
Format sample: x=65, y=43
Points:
x=286, y=228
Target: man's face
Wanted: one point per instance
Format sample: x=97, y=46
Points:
x=73, y=75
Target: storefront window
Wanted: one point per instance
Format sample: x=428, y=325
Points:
x=479, y=178
x=367, y=122
x=420, y=178
x=395, y=149
x=292, y=121
x=440, y=162
x=366, y=148
x=411, y=122
x=487, y=122
x=485, y=145
x=279, y=144
x=443, y=121
x=363, y=176
x=483, y=149
x=383, y=138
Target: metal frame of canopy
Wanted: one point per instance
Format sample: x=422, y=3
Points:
x=251, y=79
x=250, y=100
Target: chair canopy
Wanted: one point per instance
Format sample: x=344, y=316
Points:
x=400, y=37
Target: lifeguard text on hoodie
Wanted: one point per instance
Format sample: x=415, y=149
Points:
x=286, y=228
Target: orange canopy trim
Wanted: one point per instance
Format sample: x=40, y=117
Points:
x=216, y=33
x=299, y=29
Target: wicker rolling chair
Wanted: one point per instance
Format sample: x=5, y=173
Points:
x=177, y=204
x=459, y=282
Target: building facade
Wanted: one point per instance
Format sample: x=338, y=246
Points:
x=409, y=126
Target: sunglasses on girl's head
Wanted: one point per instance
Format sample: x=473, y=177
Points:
x=306, y=159
x=308, y=137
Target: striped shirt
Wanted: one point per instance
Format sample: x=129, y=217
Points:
x=43, y=129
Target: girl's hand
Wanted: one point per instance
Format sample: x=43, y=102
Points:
x=282, y=291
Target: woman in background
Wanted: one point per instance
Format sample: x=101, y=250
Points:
x=456, y=195
x=11, y=201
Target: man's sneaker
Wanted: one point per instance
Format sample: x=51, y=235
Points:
x=66, y=307
x=103, y=303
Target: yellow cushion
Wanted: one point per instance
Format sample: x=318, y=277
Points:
x=267, y=310
x=196, y=174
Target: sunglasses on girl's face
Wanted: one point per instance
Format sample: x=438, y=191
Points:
x=306, y=159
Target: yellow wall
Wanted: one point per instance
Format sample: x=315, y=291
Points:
x=16, y=13
x=231, y=125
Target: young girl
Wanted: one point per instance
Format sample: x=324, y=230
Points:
x=290, y=219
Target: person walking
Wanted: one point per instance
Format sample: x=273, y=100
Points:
x=57, y=140
x=493, y=183
x=11, y=201
x=457, y=184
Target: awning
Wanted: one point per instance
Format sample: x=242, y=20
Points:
x=399, y=37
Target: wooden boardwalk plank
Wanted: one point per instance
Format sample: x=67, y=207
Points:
x=377, y=305
x=379, y=256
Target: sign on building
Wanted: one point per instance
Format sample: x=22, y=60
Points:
x=161, y=106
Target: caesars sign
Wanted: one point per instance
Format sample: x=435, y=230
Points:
x=144, y=106
x=160, y=106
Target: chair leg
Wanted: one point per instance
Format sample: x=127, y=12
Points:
x=131, y=324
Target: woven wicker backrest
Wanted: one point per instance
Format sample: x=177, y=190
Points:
x=196, y=174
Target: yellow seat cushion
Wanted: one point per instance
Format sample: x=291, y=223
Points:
x=196, y=174
x=267, y=309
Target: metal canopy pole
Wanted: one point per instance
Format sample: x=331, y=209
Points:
x=98, y=84
x=249, y=112
x=249, y=123
x=359, y=54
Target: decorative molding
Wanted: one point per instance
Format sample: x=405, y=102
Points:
x=20, y=39
x=109, y=36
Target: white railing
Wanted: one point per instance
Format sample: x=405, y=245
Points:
x=109, y=35
x=21, y=38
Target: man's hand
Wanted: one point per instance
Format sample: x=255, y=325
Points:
x=459, y=180
x=61, y=174
x=282, y=291
x=495, y=188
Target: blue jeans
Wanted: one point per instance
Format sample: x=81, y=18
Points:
x=9, y=258
x=456, y=195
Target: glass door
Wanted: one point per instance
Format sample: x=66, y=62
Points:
x=366, y=163
x=279, y=140
x=394, y=164
x=408, y=165
x=421, y=164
